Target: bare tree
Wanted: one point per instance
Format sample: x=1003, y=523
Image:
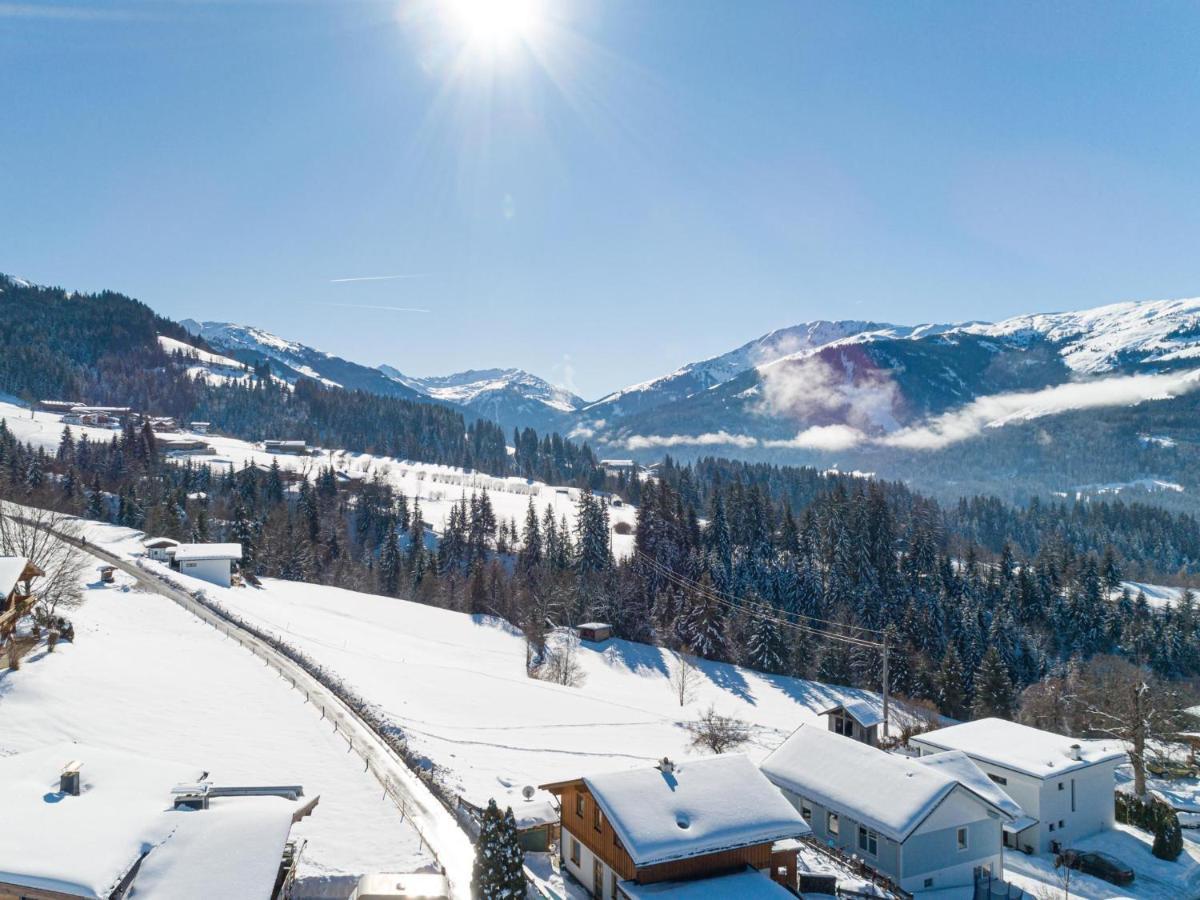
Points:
x=718, y=733
x=562, y=663
x=47, y=539
x=684, y=677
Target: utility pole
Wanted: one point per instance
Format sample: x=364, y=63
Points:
x=886, y=716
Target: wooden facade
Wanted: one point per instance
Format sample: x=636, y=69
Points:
x=583, y=819
x=17, y=602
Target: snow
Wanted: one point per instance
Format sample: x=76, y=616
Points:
x=745, y=885
x=82, y=845
x=245, y=834
x=962, y=769
x=438, y=487
x=1157, y=595
x=171, y=345
x=457, y=687
x=1021, y=748
x=143, y=675
x=11, y=568
x=185, y=552
x=701, y=806
x=1150, y=485
x=890, y=794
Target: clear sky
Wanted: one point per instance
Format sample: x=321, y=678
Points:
x=597, y=191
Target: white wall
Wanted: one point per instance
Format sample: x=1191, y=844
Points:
x=584, y=870
x=216, y=571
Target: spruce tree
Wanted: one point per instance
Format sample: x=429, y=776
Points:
x=993, y=688
x=499, y=872
x=951, y=686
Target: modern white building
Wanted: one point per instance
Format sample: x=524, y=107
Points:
x=1063, y=785
x=922, y=826
x=209, y=562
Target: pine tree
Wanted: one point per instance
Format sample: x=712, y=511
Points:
x=389, y=562
x=499, y=872
x=951, y=686
x=95, y=503
x=765, y=649
x=993, y=688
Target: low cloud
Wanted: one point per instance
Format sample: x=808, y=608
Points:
x=822, y=437
x=811, y=388
x=1003, y=409
x=710, y=439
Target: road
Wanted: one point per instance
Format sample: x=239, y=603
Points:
x=437, y=827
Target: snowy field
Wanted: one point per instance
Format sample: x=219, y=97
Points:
x=147, y=677
x=437, y=487
x=457, y=686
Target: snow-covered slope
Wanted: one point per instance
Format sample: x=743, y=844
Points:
x=145, y=676
x=1161, y=333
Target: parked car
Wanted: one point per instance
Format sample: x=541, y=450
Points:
x=1102, y=865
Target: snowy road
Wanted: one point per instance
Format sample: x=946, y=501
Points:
x=437, y=827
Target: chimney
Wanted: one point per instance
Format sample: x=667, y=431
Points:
x=666, y=766
x=68, y=781
x=1075, y=752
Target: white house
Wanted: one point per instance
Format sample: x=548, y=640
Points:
x=647, y=831
x=83, y=821
x=1064, y=785
x=209, y=562
x=159, y=548
x=924, y=827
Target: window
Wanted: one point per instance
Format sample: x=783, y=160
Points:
x=1051, y=826
x=928, y=882
x=1060, y=785
x=1072, y=795
x=831, y=823
x=574, y=851
x=597, y=817
x=999, y=779
x=806, y=812
x=613, y=895
x=839, y=725
x=1060, y=825
x=579, y=804
x=961, y=835
x=868, y=841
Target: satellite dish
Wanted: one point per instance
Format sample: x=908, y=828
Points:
x=527, y=792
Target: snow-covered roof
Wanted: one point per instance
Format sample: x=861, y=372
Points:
x=244, y=836
x=702, y=806
x=82, y=846
x=748, y=884
x=208, y=551
x=157, y=542
x=962, y=768
x=594, y=625
x=1031, y=751
x=863, y=712
x=889, y=794
x=11, y=569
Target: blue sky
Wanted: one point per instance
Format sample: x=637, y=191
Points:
x=625, y=187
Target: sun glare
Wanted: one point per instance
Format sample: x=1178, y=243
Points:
x=496, y=23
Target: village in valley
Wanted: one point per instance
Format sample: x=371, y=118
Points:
x=630, y=771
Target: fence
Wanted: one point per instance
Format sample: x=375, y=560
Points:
x=989, y=887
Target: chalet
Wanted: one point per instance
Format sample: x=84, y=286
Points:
x=639, y=833
x=594, y=632
x=160, y=549
x=209, y=562
x=1063, y=785
x=16, y=598
x=923, y=827
x=617, y=466
x=163, y=423
x=297, y=448
x=125, y=825
x=856, y=719
x=200, y=427
x=181, y=446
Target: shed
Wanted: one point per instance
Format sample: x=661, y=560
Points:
x=159, y=548
x=106, y=573
x=855, y=719
x=295, y=447
x=595, y=632
x=200, y=427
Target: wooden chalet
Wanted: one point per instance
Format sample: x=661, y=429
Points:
x=700, y=819
x=16, y=598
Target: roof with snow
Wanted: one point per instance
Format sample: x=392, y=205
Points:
x=158, y=542
x=702, y=806
x=745, y=885
x=11, y=570
x=863, y=712
x=962, y=768
x=82, y=846
x=1030, y=751
x=87, y=845
x=889, y=794
x=208, y=551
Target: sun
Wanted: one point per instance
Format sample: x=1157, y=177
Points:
x=496, y=24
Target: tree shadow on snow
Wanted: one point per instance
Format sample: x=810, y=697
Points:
x=636, y=657
x=728, y=678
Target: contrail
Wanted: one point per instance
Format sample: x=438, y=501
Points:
x=412, y=309
x=374, y=278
